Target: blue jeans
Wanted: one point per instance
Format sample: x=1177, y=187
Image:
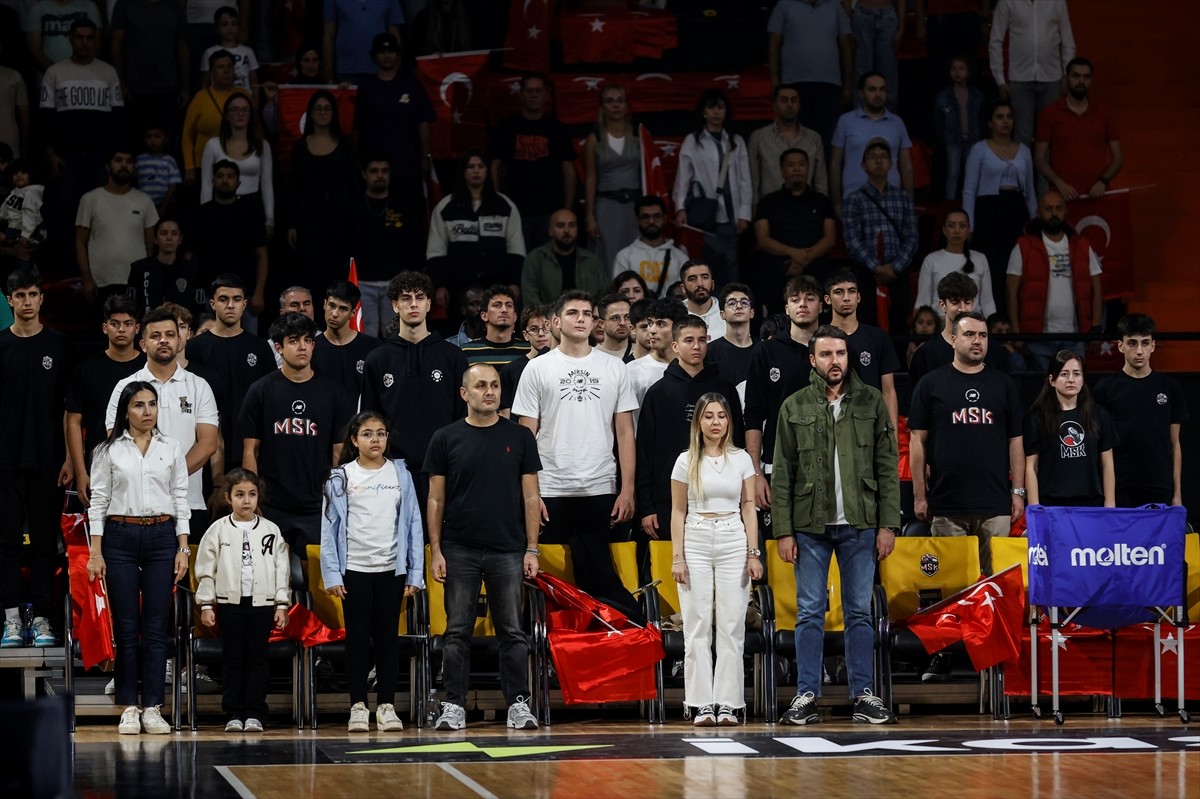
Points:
x=875, y=51
x=856, y=560
x=954, y=168
x=140, y=561
x=503, y=574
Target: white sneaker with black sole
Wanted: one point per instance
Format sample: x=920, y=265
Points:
x=520, y=717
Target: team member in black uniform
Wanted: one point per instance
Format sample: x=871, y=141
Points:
x=871, y=352
x=34, y=366
x=166, y=276
x=340, y=351
x=292, y=424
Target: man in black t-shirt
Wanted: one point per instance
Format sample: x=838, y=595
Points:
x=731, y=353
x=231, y=236
x=484, y=517
x=533, y=162
x=340, y=351
x=965, y=421
x=292, y=424
x=872, y=354
x=1148, y=409
x=165, y=276
x=535, y=326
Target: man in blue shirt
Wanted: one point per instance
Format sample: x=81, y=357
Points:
x=350, y=26
x=855, y=129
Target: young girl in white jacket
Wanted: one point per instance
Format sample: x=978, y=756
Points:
x=242, y=582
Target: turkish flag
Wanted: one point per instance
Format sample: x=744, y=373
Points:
x=304, y=626
x=1108, y=225
x=577, y=96
x=356, y=322
x=1135, y=653
x=987, y=617
x=293, y=106
x=1085, y=664
x=527, y=40
x=654, y=179
x=457, y=84
x=91, y=618
x=617, y=37
x=74, y=529
x=653, y=32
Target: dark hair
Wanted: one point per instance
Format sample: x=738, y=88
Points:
x=254, y=133
x=828, y=331
x=497, y=290
x=625, y=277
x=345, y=291
x=227, y=280
x=409, y=282
x=156, y=315
x=225, y=163
x=22, y=278
x=114, y=150
x=958, y=320
x=1046, y=407
x=82, y=22
x=840, y=276
x=957, y=286
x=121, y=421
x=612, y=298
x=968, y=265
x=709, y=98
x=528, y=76
x=866, y=76
x=774, y=325
x=368, y=157
x=802, y=284
x=646, y=201
x=668, y=308
x=335, y=124
x=996, y=105
x=692, y=263
x=19, y=165
x=162, y=220
x=688, y=320
x=780, y=87
x=217, y=55
x=462, y=195
x=997, y=318
x=119, y=304
x=222, y=11
x=301, y=51
x=1136, y=324
x=533, y=312
x=730, y=288
x=1078, y=61
x=574, y=295
x=349, y=451
x=291, y=324
x=240, y=475
x=929, y=309
x=783, y=156
x=640, y=310
x=671, y=290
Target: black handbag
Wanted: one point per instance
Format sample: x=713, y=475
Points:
x=701, y=209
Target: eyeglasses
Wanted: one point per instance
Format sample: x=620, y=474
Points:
x=371, y=435
x=539, y=330
x=733, y=302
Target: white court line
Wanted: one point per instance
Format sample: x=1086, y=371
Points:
x=484, y=793
x=238, y=786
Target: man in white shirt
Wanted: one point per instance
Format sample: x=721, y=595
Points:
x=1040, y=42
x=653, y=256
x=645, y=372
x=569, y=396
x=187, y=410
x=113, y=228
x=698, y=288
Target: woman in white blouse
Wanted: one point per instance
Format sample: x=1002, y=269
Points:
x=701, y=157
x=714, y=554
x=138, y=522
x=241, y=141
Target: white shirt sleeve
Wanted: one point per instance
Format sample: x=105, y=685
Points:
x=206, y=403
x=1015, y=266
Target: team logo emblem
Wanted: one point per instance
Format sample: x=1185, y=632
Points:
x=1070, y=434
x=252, y=359
x=929, y=564
x=972, y=395
x=578, y=385
x=47, y=363
x=1162, y=398
x=298, y=407
x=388, y=380
x=774, y=374
x=184, y=405
x=865, y=359
x=437, y=375
x=359, y=366
x=180, y=285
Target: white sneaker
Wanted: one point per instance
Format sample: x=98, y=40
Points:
x=386, y=719
x=726, y=716
x=111, y=688
x=360, y=718
x=14, y=634
x=705, y=717
x=234, y=725
x=131, y=721
x=454, y=717
x=253, y=725
x=153, y=723
x=520, y=717
x=43, y=635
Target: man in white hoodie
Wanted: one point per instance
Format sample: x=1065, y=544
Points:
x=652, y=255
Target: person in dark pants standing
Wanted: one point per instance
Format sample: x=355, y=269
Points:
x=484, y=520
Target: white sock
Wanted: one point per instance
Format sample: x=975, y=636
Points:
x=12, y=614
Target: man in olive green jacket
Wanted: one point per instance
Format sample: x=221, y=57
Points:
x=543, y=276
x=835, y=488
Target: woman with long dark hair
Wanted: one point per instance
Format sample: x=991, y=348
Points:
x=241, y=140
x=956, y=256
x=138, y=521
x=1069, y=441
x=612, y=158
x=372, y=555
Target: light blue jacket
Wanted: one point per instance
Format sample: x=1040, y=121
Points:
x=410, y=546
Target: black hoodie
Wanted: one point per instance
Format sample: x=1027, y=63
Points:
x=663, y=430
x=415, y=387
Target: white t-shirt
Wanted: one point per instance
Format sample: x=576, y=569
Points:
x=839, y=499
x=574, y=401
x=247, y=556
x=941, y=263
x=712, y=318
x=721, y=478
x=1060, y=297
x=116, y=232
x=643, y=373
x=244, y=63
x=373, y=501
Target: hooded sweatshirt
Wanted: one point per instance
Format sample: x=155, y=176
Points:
x=663, y=432
x=415, y=387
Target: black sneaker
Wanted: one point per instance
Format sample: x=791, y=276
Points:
x=803, y=710
x=870, y=709
x=938, y=669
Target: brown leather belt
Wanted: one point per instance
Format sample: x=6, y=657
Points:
x=144, y=521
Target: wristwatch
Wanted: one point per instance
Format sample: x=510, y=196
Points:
x=183, y=551
x=1020, y=492
x=754, y=553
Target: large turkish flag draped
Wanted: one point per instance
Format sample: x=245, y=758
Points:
x=527, y=41
x=617, y=37
x=304, y=626
x=654, y=178
x=91, y=618
x=293, y=105
x=1084, y=662
x=458, y=86
x=577, y=96
x=1108, y=225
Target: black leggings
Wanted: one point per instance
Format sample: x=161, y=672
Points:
x=372, y=609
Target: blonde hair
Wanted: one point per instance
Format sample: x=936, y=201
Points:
x=601, y=124
x=696, y=439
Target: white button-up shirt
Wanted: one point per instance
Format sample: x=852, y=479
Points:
x=127, y=483
x=1040, y=41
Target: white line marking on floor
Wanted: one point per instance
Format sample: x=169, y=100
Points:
x=484, y=793
x=238, y=786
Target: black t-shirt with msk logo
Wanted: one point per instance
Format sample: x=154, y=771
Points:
x=1069, y=462
x=1143, y=410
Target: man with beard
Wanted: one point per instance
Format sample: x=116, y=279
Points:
x=834, y=440
x=652, y=255
x=1053, y=282
x=614, y=314
x=165, y=276
x=1077, y=148
x=231, y=237
x=785, y=133
x=872, y=354
x=384, y=240
x=698, y=288
x=855, y=129
x=561, y=265
x=966, y=426
x=500, y=344
x=113, y=228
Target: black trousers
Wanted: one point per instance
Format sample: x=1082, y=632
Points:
x=372, y=608
x=30, y=499
x=245, y=631
x=582, y=523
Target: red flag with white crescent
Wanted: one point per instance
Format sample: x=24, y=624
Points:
x=1108, y=225
x=654, y=179
x=527, y=41
x=292, y=105
x=577, y=95
x=356, y=322
x=457, y=84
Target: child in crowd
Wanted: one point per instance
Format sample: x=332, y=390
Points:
x=245, y=65
x=998, y=325
x=957, y=122
x=243, y=582
x=21, y=213
x=157, y=171
x=925, y=324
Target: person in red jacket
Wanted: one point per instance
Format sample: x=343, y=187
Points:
x=1053, y=282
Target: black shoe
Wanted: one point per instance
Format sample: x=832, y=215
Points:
x=803, y=710
x=938, y=669
x=870, y=709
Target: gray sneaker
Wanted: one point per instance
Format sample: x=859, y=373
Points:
x=454, y=717
x=360, y=718
x=803, y=710
x=520, y=717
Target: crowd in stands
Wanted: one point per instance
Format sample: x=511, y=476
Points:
x=710, y=391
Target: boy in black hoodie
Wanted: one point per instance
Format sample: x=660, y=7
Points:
x=413, y=378
x=666, y=420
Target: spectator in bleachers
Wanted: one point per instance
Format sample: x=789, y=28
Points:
x=241, y=140
x=878, y=28
x=440, y=27
x=956, y=295
x=48, y=25
x=769, y=143
x=950, y=28
x=652, y=256
x=630, y=285
x=957, y=111
x=731, y=353
x=872, y=354
x=1148, y=409
x=323, y=194
x=645, y=372
x=1040, y=41
x=149, y=51
x=474, y=235
x=339, y=350
x=811, y=46
x=955, y=257
x=533, y=161
x=699, y=289
x=348, y=28
x=535, y=327
x=499, y=344
x=201, y=34
x=231, y=236
x=206, y=114
x=618, y=338
x=998, y=325
x=613, y=175
x=881, y=235
x=22, y=228
x=561, y=264
x=297, y=299
x=925, y=323
x=640, y=328
x=999, y=194
x=717, y=162
x=229, y=34
x=858, y=128
x=1053, y=282
x=822, y=505
x=157, y=171
x=14, y=111
x=469, y=306
x=1078, y=149
x=307, y=72
x=795, y=229
x=166, y=276
x=966, y=424
x=113, y=228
